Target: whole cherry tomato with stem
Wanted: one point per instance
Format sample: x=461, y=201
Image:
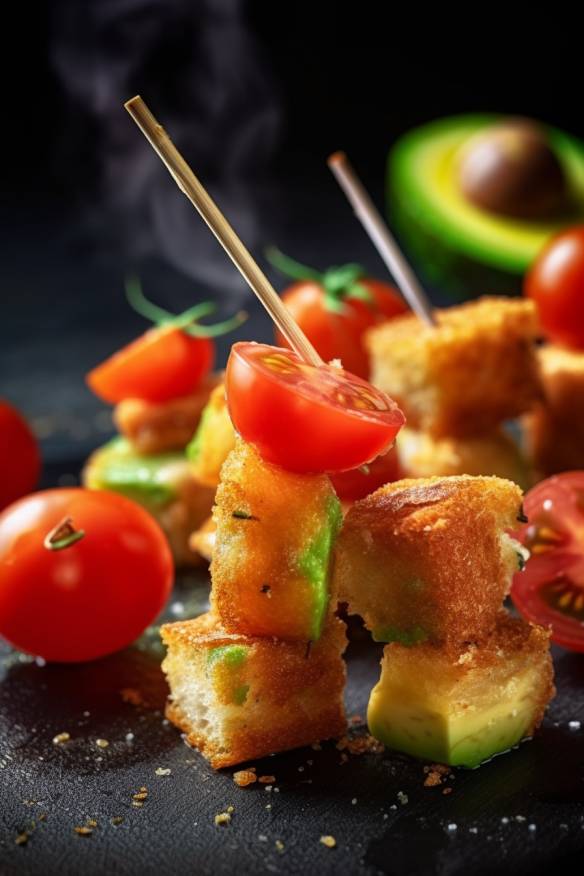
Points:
x=307, y=418
x=20, y=460
x=335, y=308
x=550, y=589
x=555, y=282
x=82, y=573
x=168, y=361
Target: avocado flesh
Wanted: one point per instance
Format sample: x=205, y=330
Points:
x=229, y=660
x=448, y=732
x=439, y=225
x=314, y=564
x=152, y=481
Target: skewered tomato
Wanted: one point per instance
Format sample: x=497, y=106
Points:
x=550, y=590
x=360, y=482
x=20, y=461
x=168, y=361
x=307, y=418
x=82, y=573
x=556, y=284
x=335, y=308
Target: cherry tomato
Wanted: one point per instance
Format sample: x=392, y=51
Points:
x=162, y=364
x=556, y=283
x=306, y=418
x=82, y=573
x=356, y=484
x=20, y=461
x=550, y=590
x=334, y=309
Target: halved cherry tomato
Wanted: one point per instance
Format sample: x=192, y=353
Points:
x=550, y=590
x=82, y=573
x=334, y=309
x=360, y=482
x=556, y=283
x=162, y=364
x=20, y=461
x=307, y=418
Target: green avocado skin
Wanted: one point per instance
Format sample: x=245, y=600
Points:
x=194, y=448
x=314, y=564
x=442, y=260
x=119, y=468
x=409, y=637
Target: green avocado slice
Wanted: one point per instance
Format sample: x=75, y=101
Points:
x=314, y=564
x=152, y=480
x=426, y=202
x=233, y=657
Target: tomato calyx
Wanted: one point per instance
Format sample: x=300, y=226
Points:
x=186, y=321
x=63, y=535
x=339, y=283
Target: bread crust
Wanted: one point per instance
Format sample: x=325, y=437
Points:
x=156, y=428
x=295, y=690
x=424, y=557
x=474, y=370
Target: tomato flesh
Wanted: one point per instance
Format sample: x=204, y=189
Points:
x=20, y=461
x=88, y=599
x=556, y=283
x=550, y=591
x=163, y=364
x=306, y=418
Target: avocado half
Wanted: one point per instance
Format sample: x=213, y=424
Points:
x=462, y=249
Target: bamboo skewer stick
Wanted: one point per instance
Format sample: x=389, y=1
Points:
x=209, y=211
x=370, y=218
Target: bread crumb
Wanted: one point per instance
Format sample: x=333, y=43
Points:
x=243, y=778
x=279, y=845
x=447, y=791
x=223, y=818
x=91, y=822
x=328, y=841
x=267, y=780
x=101, y=743
x=160, y=771
x=21, y=839
x=142, y=794
x=84, y=830
x=365, y=744
x=117, y=820
x=60, y=738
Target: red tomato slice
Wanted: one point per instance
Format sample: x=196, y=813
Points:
x=77, y=593
x=20, y=461
x=162, y=364
x=356, y=484
x=306, y=418
x=550, y=590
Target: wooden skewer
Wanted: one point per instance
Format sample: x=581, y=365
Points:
x=381, y=237
x=210, y=212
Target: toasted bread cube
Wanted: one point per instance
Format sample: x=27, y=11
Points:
x=422, y=455
x=213, y=441
x=462, y=707
x=239, y=697
x=156, y=428
x=162, y=483
x=466, y=375
x=429, y=559
x=273, y=547
x=555, y=429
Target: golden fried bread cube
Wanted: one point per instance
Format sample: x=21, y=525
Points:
x=462, y=707
x=162, y=483
x=467, y=374
x=422, y=455
x=242, y=697
x=555, y=429
x=429, y=559
x=273, y=548
x=213, y=441
x=157, y=427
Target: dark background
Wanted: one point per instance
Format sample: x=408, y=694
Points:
x=256, y=94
